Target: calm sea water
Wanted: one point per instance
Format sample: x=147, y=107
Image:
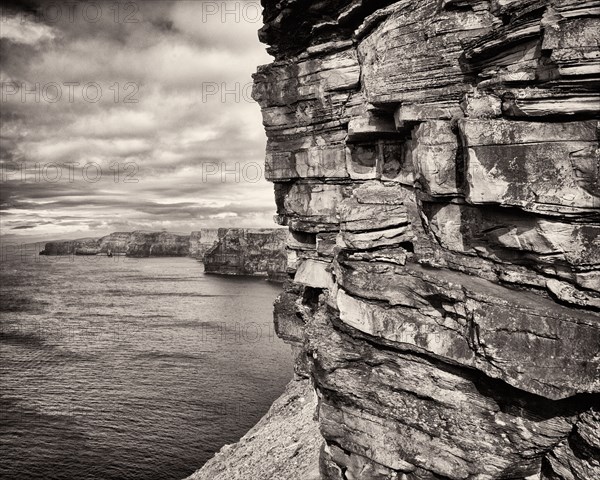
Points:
x=130, y=368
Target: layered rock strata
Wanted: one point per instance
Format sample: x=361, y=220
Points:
x=248, y=251
x=437, y=165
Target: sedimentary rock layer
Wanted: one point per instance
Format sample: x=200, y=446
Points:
x=437, y=165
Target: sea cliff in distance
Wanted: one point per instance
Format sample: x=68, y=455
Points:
x=132, y=244
x=249, y=251
x=230, y=251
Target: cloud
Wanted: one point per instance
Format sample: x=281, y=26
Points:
x=15, y=30
x=148, y=119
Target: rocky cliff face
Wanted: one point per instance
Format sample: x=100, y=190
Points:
x=158, y=244
x=201, y=241
x=116, y=242
x=229, y=251
x=69, y=247
x=437, y=165
x=248, y=251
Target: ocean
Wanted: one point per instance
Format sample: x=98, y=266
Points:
x=130, y=369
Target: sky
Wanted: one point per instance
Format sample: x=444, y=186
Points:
x=130, y=115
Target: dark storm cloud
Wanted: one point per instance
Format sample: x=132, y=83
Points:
x=157, y=116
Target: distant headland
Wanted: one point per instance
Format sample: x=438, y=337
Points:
x=230, y=251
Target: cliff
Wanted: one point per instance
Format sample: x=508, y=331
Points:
x=229, y=251
x=437, y=165
x=203, y=240
x=158, y=244
x=132, y=244
x=116, y=242
x=244, y=251
x=69, y=247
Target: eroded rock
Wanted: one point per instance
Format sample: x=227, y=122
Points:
x=248, y=251
x=451, y=149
